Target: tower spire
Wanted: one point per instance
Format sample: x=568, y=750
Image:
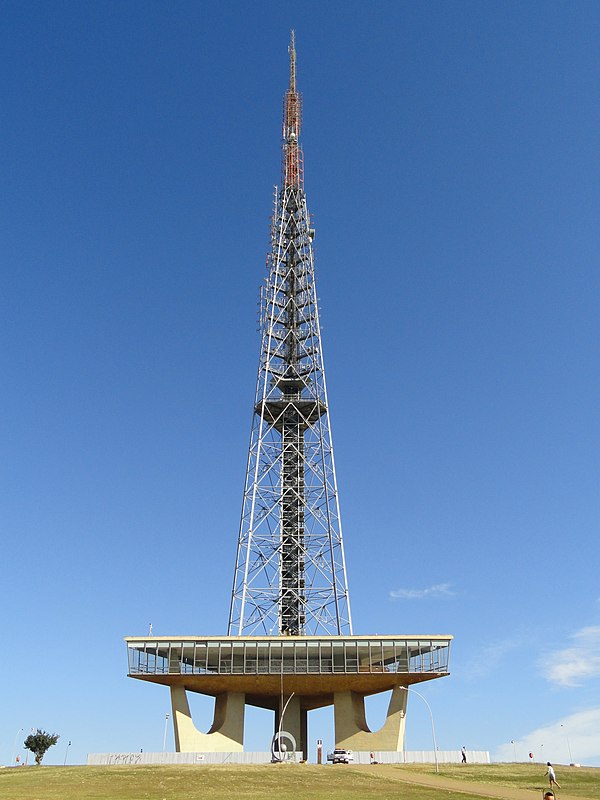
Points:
x=290, y=574
x=292, y=52
x=292, y=112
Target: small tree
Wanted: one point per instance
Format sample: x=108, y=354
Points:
x=39, y=742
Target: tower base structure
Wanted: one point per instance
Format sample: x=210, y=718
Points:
x=290, y=675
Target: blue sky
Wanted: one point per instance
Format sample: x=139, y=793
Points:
x=451, y=154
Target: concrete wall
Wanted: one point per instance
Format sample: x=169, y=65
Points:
x=129, y=759
x=360, y=757
x=421, y=757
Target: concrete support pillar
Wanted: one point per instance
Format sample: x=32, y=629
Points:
x=226, y=733
x=295, y=721
x=352, y=731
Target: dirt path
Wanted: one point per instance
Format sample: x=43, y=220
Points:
x=465, y=787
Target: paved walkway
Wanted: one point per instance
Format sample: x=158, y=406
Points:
x=404, y=775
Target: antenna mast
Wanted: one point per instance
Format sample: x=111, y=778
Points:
x=292, y=113
x=290, y=574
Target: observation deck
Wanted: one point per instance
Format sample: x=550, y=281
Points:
x=314, y=667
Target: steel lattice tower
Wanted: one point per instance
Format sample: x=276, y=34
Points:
x=290, y=572
x=290, y=646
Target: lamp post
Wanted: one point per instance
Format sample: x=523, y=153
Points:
x=165, y=736
x=512, y=741
x=12, y=763
x=66, y=752
x=414, y=691
x=278, y=734
x=31, y=731
x=568, y=743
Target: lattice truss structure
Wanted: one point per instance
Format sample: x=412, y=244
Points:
x=290, y=574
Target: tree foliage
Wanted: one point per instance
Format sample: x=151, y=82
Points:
x=39, y=742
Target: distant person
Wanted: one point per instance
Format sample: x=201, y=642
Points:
x=551, y=775
x=463, y=753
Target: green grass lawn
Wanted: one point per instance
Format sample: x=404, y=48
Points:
x=580, y=781
x=271, y=782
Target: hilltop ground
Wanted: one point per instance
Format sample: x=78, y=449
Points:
x=301, y=782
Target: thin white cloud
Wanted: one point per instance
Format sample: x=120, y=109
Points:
x=439, y=590
x=490, y=657
x=573, y=739
x=573, y=665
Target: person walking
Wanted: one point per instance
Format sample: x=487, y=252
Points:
x=463, y=753
x=551, y=776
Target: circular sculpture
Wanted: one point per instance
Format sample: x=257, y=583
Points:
x=278, y=746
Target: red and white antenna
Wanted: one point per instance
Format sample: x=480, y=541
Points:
x=292, y=118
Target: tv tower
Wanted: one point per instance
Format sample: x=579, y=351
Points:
x=290, y=572
x=290, y=646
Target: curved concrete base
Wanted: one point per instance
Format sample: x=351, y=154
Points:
x=352, y=731
x=226, y=733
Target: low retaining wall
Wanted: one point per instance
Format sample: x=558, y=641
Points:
x=360, y=757
x=421, y=757
x=110, y=759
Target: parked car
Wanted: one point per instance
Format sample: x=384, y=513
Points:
x=340, y=756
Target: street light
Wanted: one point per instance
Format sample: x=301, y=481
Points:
x=414, y=691
x=66, y=751
x=278, y=734
x=12, y=763
x=512, y=741
x=568, y=743
x=31, y=731
x=165, y=736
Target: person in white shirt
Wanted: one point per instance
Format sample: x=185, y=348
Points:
x=551, y=775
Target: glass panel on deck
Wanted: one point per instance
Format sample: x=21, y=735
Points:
x=301, y=664
x=187, y=657
x=326, y=657
x=250, y=656
x=376, y=656
x=237, y=661
x=338, y=657
x=200, y=657
x=263, y=659
x=225, y=656
x=351, y=656
x=313, y=661
x=212, y=656
x=287, y=653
